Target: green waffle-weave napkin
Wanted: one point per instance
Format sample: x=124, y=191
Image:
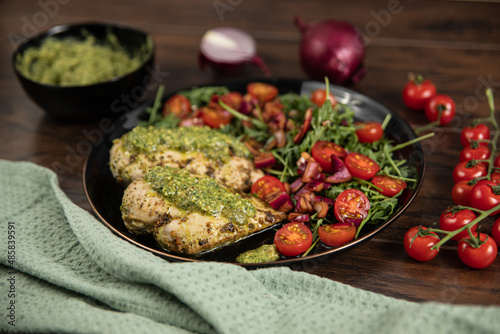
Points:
x=68, y=273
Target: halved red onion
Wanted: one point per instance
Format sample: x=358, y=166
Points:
x=228, y=49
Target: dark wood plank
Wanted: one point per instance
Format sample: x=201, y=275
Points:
x=455, y=43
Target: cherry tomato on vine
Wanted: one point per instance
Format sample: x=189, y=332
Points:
x=418, y=243
x=477, y=132
x=480, y=152
x=451, y=220
x=496, y=162
x=495, y=177
x=336, y=235
x=495, y=231
x=351, y=206
x=266, y=185
x=466, y=171
x=293, y=239
x=178, y=105
x=478, y=257
x=318, y=97
x=215, y=118
x=389, y=186
x=460, y=193
x=369, y=132
x=263, y=92
x=361, y=166
x=485, y=195
x=417, y=92
x=440, y=104
x=322, y=152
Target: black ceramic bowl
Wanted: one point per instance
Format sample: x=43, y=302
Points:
x=95, y=101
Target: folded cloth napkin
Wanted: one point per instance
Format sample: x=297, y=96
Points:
x=64, y=271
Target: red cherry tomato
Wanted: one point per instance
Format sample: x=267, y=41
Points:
x=417, y=92
x=322, y=152
x=452, y=221
x=232, y=99
x=262, y=91
x=495, y=231
x=460, y=193
x=318, y=97
x=369, y=132
x=178, y=105
x=496, y=162
x=478, y=257
x=351, y=206
x=336, y=235
x=266, y=185
x=361, y=166
x=293, y=239
x=464, y=171
x=485, y=195
x=389, y=186
x=215, y=118
x=440, y=104
x=418, y=243
x=495, y=177
x=480, y=152
x=478, y=132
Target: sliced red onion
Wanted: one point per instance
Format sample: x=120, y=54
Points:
x=311, y=170
x=296, y=185
x=337, y=164
x=228, y=49
x=277, y=199
x=303, y=205
x=305, y=126
x=191, y=122
x=303, y=191
x=342, y=175
x=317, y=186
x=327, y=200
x=247, y=105
x=264, y=160
x=296, y=217
x=287, y=207
x=321, y=208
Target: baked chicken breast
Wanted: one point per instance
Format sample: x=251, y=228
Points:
x=189, y=213
x=200, y=150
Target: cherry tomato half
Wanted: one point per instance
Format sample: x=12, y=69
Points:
x=417, y=92
x=322, y=152
x=495, y=231
x=485, y=195
x=452, y=221
x=233, y=100
x=361, y=166
x=460, y=193
x=336, y=235
x=215, y=118
x=478, y=257
x=418, y=243
x=178, y=105
x=481, y=152
x=440, y=104
x=463, y=171
x=351, y=206
x=389, y=186
x=318, y=97
x=293, y=239
x=478, y=132
x=262, y=91
x=369, y=132
x=266, y=185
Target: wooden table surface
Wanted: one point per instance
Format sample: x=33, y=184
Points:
x=454, y=43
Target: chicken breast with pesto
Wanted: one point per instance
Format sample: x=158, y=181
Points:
x=197, y=149
x=189, y=213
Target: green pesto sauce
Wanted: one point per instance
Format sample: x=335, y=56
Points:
x=205, y=195
x=263, y=254
x=213, y=144
x=74, y=62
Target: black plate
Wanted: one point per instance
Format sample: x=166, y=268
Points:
x=104, y=194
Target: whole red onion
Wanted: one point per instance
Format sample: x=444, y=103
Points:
x=333, y=49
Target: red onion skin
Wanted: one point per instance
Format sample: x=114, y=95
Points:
x=333, y=49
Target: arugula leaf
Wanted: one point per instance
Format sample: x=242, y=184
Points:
x=199, y=96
